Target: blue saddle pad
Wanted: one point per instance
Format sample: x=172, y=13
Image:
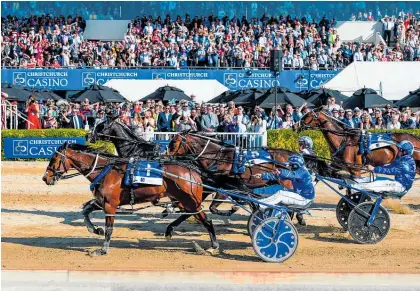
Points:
x=143, y=174
x=249, y=157
x=381, y=137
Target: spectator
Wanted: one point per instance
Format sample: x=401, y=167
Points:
x=185, y=122
x=394, y=123
x=76, y=118
x=209, y=121
x=32, y=110
x=366, y=122
x=50, y=121
x=164, y=120
x=348, y=119
x=379, y=123
x=357, y=117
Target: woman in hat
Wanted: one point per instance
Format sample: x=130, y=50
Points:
x=32, y=109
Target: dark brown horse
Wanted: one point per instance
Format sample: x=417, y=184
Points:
x=344, y=142
x=217, y=159
x=110, y=192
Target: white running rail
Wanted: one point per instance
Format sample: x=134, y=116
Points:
x=245, y=140
x=10, y=115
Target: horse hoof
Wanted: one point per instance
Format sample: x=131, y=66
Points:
x=100, y=231
x=168, y=237
x=198, y=249
x=97, y=253
x=213, y=251
x=235, y=208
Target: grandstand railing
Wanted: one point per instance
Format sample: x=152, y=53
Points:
x=161, y=68
x=248, y=140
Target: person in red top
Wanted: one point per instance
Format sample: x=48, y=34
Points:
x=32, y=109
x=136, y=107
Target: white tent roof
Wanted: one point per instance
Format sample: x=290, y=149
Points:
x=392, y=80
x=133, y=90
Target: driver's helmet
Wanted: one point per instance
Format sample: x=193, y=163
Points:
x=307, y=142
x=112, y=112
x=406, y=147
x=296, y=162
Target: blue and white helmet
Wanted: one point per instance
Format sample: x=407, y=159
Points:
x=307, y=141
x=296, y=161
x=407, y=147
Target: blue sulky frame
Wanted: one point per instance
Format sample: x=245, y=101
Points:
x=341, y=183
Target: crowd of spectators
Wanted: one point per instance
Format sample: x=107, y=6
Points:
x=155, y=116
x=46, y=41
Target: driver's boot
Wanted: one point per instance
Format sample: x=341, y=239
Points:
x=300, y=219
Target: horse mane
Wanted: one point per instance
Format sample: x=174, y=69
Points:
x=201, y=134
x=91, y=150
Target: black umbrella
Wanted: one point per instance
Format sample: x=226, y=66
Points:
x=320, y=96
x=248, y=97
x=365, y=98
x=225, y=97
x=45, y=95
x=96, y=93
x=412, y=99
x=167, y=93
x=16, y=92
x=284, y=97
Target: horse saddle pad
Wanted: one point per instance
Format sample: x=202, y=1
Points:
x=381, y=140
x=248, y=158
x=143, y=172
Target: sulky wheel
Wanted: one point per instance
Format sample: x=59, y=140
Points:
x=360, y=231
x=344, y=208
x=258, y=216
x=275, y=240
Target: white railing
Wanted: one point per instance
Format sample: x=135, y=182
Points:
x=10, y=115
x=245, y=140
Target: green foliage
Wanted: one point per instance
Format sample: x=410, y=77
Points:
x=63, y=132
x=288, y=139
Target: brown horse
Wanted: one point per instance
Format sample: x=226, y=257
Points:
x=344, y=142
x=217, y=159
x=110, y=192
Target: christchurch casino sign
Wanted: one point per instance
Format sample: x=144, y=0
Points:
x=234, y=79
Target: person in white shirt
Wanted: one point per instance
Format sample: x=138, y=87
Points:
x=358, y=56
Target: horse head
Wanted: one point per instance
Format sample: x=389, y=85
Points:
x=59, y=164
x=308, y=120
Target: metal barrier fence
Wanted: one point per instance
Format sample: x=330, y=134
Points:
x=245, y=140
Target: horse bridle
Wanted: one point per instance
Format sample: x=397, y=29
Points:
x=59, y=175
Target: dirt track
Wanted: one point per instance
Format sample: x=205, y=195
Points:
x=42, y=228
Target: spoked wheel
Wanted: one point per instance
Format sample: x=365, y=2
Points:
x=275, y=240
x=344, y=208
x=258, y=216
x=374, y=233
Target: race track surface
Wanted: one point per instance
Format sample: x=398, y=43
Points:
x=42, y=228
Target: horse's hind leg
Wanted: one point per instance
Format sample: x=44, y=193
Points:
x=88, y=208
x=207, y=223
x=175, y=223
x=214, y=204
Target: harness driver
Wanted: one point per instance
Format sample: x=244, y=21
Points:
x=303, y=192
x=403, y=168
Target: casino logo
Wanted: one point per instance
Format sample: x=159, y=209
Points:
x=230, y=79
x=20, y=147
x=158, y=76
x=19, y=79
x=88, y=79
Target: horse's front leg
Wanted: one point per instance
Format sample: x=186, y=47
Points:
x=109, y=224
x=88, y=208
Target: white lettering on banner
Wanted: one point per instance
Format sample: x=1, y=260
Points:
x=38, y=151
x=258, y=83
x=117, y=74
x=53, y=82
x=47, y=74
x=187, y=75
x=257, y=75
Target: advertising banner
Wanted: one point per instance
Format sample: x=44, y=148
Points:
x=34, y=148
x=78, y=79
